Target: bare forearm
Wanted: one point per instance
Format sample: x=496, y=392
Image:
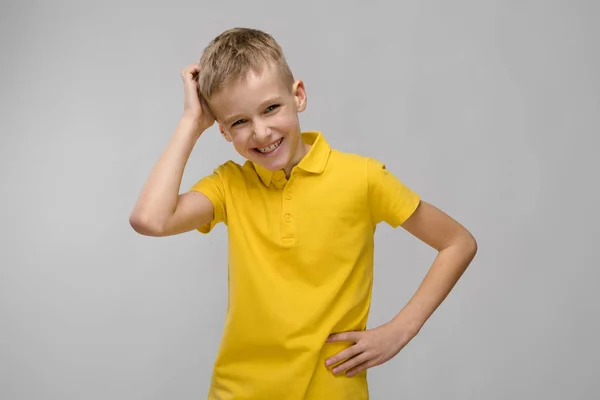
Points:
x=447, y=268
x=158, y=198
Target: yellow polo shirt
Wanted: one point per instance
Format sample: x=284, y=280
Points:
x=300, y=268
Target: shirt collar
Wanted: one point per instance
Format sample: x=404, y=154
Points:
x=314, y=161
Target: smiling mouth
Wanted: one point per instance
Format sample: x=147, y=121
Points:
x=270, y=148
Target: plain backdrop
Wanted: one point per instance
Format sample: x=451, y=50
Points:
x=488, y=109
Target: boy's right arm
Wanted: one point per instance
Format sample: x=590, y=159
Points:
x=160, y=210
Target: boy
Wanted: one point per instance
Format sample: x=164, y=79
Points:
x=301, y=219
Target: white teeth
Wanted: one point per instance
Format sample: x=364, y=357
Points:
x=270, y=148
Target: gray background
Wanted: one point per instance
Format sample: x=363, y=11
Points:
x=488, y=109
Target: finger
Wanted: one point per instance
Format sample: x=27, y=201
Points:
x=185, y=71
x=349, y=336
x=361, y=367
x=190, y=71
x=194, y=70
x=191, y=76
x=343, y=355
x=351, y=363
x=192, y=67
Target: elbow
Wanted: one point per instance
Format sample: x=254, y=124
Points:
x=463, y=243
x=144, y=225
x=470, y=245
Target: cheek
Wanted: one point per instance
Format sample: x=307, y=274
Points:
x=240, y=141
x=286, y=121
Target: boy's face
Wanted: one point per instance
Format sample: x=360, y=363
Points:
x=259, y=115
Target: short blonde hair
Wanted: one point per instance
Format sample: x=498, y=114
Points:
x=233, y=54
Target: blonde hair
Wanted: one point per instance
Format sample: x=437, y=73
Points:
x=233, y=54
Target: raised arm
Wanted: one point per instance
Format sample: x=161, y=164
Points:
x=160, y=210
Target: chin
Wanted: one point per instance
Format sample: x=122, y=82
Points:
x=271, y=165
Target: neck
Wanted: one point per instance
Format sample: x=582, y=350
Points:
x=301, y=151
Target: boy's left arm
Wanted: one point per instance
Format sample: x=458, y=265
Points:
x=456, y=249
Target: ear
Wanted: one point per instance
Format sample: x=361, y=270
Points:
x=299, y=93
x=225, y=134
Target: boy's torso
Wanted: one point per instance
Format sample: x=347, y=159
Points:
x=300, y=268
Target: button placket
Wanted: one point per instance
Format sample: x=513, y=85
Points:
x=288, y=231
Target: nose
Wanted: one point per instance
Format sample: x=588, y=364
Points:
x=261, y=132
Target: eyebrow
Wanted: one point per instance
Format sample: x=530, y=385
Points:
x=270, y=101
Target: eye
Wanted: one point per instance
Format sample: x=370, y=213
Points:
x=241, y=121
x=273, y=107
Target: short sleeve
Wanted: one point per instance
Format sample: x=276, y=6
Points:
x=213, y=187
x=390, y=200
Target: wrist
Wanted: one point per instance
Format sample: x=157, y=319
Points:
x=192, y=123
x=191, y=115
x=404, y=322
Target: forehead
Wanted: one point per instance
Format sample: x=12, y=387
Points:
x=245, y=95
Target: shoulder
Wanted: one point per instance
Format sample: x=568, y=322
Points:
x=360, y=169
x=232, y=170
x=235, y=175
x=345, y=174
x=362, y=162
x=357, y=165
x=341, y=159
x=228, y=168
